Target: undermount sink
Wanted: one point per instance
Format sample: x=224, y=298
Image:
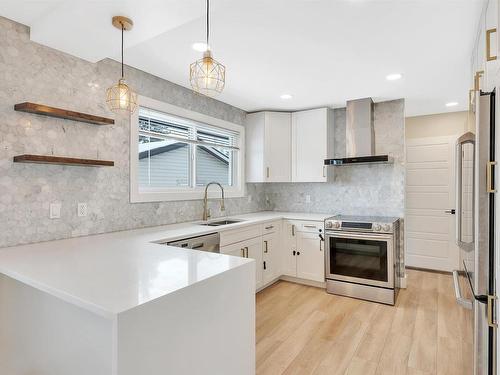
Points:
x=221, y=222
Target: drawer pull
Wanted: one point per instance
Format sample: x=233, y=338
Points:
x=310, y=226
x=269, y=227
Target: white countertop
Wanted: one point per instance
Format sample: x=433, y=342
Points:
x=114, y=272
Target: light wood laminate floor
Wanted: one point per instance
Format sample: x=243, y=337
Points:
x=303, y=330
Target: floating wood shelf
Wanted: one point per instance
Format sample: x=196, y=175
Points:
x=43, y=159
x=44, y=110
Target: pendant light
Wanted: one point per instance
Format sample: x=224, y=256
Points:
x=207, y=76
x=121, y=97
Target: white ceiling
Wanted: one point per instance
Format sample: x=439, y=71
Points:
x=321, y=52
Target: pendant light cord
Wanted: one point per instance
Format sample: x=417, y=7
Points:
x=122, y=50
x=208, y=20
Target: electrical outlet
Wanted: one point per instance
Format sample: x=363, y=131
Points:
x=308, y=198
x=82, y=209
x=55, y=210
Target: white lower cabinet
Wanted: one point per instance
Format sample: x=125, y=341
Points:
x=251, y=248
x=310, y=257
x=303, y=255
x=288, y=247
x=272, y=255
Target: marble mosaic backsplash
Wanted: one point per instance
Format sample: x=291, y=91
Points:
x=31, y=72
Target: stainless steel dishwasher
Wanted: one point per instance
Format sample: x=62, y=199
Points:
x=207, y=242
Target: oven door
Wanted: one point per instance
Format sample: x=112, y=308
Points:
x=363, y=258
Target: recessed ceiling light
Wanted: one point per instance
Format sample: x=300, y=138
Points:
x=393, y=77
x=451, y=104
x=286, y=96
x=200, y=46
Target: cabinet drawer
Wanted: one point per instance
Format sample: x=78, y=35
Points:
x=307, y=226
x=271, y=227
x=237, y=235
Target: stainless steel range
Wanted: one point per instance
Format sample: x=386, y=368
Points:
x=362, y=254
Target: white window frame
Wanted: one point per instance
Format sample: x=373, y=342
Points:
x=182, y=193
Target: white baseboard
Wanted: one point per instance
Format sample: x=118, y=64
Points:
x=298, y=280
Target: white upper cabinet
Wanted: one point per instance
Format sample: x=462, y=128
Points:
x=268, y=147
x=310, y=131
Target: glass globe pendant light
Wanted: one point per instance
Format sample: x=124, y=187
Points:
x=207, y=76
x=121, y=97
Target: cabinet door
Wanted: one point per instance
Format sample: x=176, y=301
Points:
x=310, y=257
x=253, y=249
x=272, y=256
x=309, y=145
x=288, y=259
x=277, y=148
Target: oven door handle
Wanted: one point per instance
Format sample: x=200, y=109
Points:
x=369, y=236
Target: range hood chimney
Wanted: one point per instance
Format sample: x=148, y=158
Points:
x=360, y=135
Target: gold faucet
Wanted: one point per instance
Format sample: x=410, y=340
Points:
x=206, y=213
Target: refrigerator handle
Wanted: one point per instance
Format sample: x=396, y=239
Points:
x=458, y=294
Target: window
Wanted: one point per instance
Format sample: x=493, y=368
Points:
x=175, y=156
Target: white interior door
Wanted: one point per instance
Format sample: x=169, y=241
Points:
x=430, y=193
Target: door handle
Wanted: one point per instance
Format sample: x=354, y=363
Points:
x=451, y=212
x=491, y=306
x=490, y=183
x=458, y=294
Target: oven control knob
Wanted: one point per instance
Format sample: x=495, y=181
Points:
x=328, y=224
x=376, y=227
x=387, y=227
x=336, y=224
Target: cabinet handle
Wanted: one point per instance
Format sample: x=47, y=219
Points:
x=242, y=252
x=293, y=229
x=294, y=252
x=477, y=77
x=310, y=226
x=246, y=249
x=320, y=248
x=298, y=252
x=324, y=175
x=264, y=264
x=490, y=184
x=269, y=227
x=265, y=245
x=489, y=56
x=267, y=172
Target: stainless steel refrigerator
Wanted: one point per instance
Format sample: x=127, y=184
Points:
x=475, y=280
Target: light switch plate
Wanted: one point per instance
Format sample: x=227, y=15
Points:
x=55, y=210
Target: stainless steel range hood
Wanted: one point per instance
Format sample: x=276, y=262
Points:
x=360, y=136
